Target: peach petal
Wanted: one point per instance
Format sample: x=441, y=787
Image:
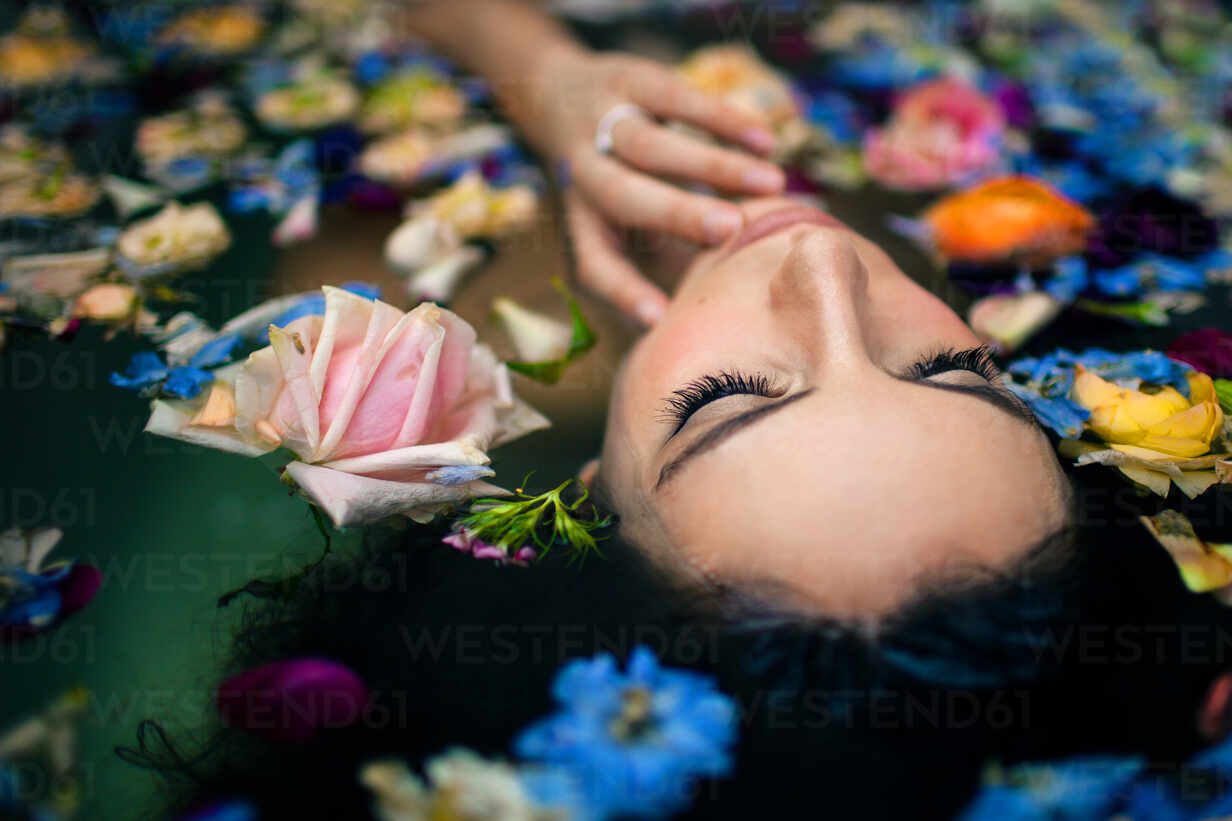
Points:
x=173, y=420
x=219, y=408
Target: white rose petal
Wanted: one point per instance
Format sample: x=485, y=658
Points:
x=536, y=337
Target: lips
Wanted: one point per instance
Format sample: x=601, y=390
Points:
x=780, y=220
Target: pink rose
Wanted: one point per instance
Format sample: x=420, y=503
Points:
x=940, y=133
x=390, y=413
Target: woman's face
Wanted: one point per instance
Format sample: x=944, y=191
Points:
x=794, y=423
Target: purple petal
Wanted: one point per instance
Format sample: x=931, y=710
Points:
x=1207, y=349
x=293, y=700
x=78, y=588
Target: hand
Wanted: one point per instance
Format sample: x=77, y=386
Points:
x=629, y=187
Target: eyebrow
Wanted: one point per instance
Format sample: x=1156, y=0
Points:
x=722, y=431
x=1000, y=399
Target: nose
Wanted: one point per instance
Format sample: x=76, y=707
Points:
x=820, y=295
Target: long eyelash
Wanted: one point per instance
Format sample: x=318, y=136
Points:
x=688, y=400
x=978, y=360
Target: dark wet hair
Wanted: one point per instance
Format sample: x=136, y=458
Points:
x=1081, y=647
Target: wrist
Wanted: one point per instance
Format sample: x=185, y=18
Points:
x=544, y=95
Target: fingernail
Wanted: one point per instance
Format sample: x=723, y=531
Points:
x=721, y=224
x=648, y=313
x=764, y=179
x=759, y=139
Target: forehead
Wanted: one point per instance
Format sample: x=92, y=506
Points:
x=848, y=499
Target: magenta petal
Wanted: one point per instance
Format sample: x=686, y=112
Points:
x=78, y=588
x=526, y=554
x=487, y=551
x=1208, y=349
x=458, y=541
x=373, y=196
x=292, y=700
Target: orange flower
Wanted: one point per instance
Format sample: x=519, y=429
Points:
x=1015, y=219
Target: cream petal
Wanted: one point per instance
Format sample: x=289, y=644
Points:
x=1154, y=481
x=62, y=275
x=1009, y=320
x=182, y=336
x=470, y=143
x=299, y=224
x=536, y=337
x=516, y=422
x=417, y=457
x=40, y=542
x=1193, y=483
x=1118, y=458
x=349, y=499
x=439, y=281
x=129, y=197
x=418, y=242
x=171, y=419
x=294, y=356
x=257, y=385
x=382, y=331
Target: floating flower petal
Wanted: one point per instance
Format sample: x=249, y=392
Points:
x=940, y=133
x=177, y=238
x=293, y=700
x=1013, y=219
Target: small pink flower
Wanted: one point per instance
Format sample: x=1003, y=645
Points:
x=464, y=540
x=940, y=133
x=524, y=556
x=488, y=551
x=292, y=700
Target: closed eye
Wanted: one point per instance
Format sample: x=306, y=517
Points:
x=683, y=403
x=977, y=360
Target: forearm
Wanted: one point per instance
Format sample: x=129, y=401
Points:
x=512, y=45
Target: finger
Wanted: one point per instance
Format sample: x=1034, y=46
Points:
x=663, y=93
x=603, y=269
x=661, y=151
x=632, y=199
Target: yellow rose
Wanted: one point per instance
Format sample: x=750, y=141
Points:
x=1165, y=421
